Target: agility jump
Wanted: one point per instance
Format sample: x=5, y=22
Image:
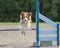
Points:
x=47, y=20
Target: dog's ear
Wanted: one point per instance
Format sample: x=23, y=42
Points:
x=21, y=15
x=29, y=13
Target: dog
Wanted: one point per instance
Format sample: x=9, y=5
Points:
x=25, y=20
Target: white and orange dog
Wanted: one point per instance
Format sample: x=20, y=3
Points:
x=25, y=20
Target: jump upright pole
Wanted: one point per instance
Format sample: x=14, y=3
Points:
x=37, y=21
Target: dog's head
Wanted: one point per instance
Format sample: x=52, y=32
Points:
x=25, y=16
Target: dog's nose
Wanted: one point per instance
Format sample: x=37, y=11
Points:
x=25, y=19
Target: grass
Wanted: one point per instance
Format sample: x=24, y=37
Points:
x=9, y=23
x=17, y=23
x=14, y=23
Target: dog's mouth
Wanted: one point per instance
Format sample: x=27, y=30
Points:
x=26, y=22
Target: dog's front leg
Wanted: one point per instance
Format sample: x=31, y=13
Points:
x=24, y=32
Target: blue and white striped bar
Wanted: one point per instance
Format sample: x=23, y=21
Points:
x=48, y=32
x=47, y=20
x=16, y=29
x=48, y=39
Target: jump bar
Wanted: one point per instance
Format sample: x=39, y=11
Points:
x=27, y=29
x=17, y=29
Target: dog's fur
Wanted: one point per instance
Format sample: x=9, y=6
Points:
x=25, y=20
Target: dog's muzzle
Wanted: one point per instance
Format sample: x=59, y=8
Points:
x=25, y=21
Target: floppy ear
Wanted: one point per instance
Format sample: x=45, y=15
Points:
x=30, y=14
x=21, y=15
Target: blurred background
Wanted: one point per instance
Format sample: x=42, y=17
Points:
x=10, y=9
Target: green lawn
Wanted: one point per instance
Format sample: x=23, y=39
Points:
x=17, y=23
x=9, y=23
